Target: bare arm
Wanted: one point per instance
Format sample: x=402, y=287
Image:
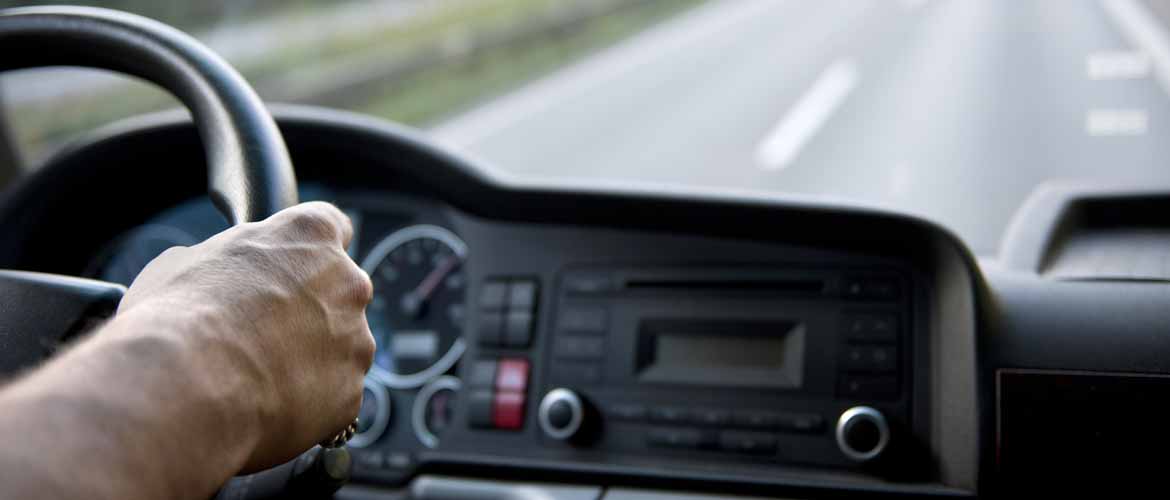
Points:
x=232, y=355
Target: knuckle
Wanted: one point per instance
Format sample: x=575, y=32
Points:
x=325, y=209
x=366, y=349
x=312, y=224
x=362, y=286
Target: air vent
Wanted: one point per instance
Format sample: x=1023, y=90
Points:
x=1112, y=240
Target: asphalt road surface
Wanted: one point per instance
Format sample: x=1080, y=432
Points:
x=950, y=109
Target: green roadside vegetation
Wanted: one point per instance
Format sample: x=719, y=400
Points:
x=432, y=95
x=434, y=64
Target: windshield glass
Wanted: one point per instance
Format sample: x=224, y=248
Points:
x=954, y=110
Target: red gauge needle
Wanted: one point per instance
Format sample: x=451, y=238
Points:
x=413, y=301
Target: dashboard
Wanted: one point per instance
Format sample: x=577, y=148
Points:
x=510, y=340
x=583, y=341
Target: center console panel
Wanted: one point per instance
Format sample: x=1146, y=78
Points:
x=735, y=363
x=658, y=355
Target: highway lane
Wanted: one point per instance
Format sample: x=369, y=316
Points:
x=951, y=109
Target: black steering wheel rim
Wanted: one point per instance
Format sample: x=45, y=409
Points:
x=250, y=175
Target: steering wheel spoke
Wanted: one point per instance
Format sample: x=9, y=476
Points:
x=39, y=312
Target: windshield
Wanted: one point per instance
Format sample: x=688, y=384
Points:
x=954, y=110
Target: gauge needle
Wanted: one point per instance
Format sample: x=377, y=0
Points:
x=413, y=301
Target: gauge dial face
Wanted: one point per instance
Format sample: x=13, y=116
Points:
x=419, y=304
x=139, y=247
x=434, y=410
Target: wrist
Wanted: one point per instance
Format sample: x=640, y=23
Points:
x=207, y=364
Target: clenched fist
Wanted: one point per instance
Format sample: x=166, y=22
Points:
x=285, y=305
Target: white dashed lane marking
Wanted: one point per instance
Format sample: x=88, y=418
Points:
x=1117, y=65
x=1116, y=122
x=783, y=143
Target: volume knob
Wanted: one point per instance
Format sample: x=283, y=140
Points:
x=862, y=433
x=561, y=414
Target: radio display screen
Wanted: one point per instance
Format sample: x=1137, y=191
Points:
x=721, y=353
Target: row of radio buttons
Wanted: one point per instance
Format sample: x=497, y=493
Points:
x=756, y=443
x=869, y=361
x=765, y=420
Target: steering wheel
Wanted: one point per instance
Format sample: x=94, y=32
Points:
x=250, y=175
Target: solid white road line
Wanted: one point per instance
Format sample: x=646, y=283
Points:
x=1145, y=32
x=784, y=142
x=1116, y=122
x=1117, y=65
x=671, y=37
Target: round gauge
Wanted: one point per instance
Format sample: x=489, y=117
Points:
x=434, y=409
x=374, y=415
x=138, y=248
x=418, y=309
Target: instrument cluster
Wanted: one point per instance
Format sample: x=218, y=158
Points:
x=417, y=315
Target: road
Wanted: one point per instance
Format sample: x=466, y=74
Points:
x=954, y=110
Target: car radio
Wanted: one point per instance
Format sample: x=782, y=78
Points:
x=800, y=365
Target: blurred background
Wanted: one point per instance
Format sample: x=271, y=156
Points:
x=412, y=61
x=954, y=110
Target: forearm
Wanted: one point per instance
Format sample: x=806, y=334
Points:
x=134, y=411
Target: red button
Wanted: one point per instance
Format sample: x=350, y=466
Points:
x=512, y=375
x=508, y=410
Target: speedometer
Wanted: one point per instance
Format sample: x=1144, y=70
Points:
x=418, y=309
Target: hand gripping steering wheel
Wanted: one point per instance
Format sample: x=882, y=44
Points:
x=250, y=177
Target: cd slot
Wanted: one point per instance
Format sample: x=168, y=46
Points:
x=741, y=285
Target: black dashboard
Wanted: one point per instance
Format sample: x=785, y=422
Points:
x=617, y=336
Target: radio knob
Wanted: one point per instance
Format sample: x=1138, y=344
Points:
x=561, y=414
x=862, y=433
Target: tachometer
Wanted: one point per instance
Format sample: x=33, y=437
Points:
x=418, y=309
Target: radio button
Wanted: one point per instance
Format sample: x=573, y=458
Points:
x=627, y=412
x=583, y=320
x=677, y=438
x=517, y=329
x=756, y=443
x=883, y=327
x=493, y=295
x=508, y=410
x=522, y=296
x=872, y=327
x=588, y=283
x=480, y=414
x=870, y=288
x=756, y=420
x=801, y=422
x=869, y=387
x=483, y=374
x=578, y=347
x=711, y=417
x=490, y=328
x=870, y=358
x=512, y=375
x=882, y=289
x=668, y=415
